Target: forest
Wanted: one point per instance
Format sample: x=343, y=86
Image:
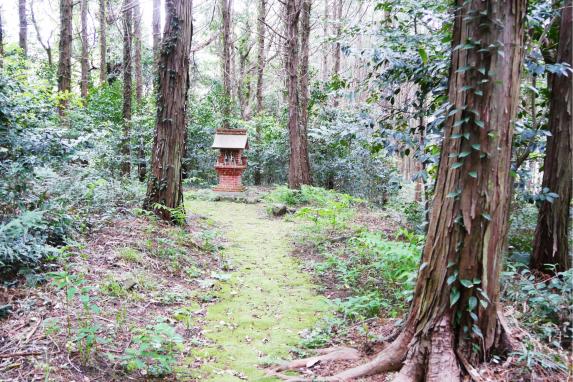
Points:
x=286, y=190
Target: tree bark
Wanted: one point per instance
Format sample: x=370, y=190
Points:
x=85, y=58
x=102, y=43
x=226, y=60
x=156, y=25
x=137, y=52
x=453, y=315
x=299, y=166
x=65, y=60
x=23, y=35
x=127, y=82
x=261, y=30
x=304, y=85
x=551, y=243
x=165, y=185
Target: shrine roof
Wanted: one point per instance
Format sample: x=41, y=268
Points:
x=231, y=139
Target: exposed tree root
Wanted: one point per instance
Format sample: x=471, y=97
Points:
x=329, y=354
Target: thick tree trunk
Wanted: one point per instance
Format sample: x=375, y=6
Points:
x=156, y=26
x=261, y=29
x=85, y=59
x=102, y=43
x=165, y=185
x=304, y=84
x=137, y=52
x=299, y=167
x=552, y=233
x=337, y=45
x=226, y=60
x=65, y=60
x=453, y=316
x=23, y=35
x=127, y=31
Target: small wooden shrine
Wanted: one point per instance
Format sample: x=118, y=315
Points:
x=231, y=162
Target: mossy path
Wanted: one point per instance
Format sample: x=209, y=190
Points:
x=267, y=301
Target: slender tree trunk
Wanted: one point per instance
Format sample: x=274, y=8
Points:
x=1, y=40
x=261, y=30
x=337, y=45
x=85, y=58
x=65, y=60
x=454, y=313
x=46, y=46
x=299, y=167
x=23, y=35
x=325, y=28
x=165, y=185
x=102, y=43
x=226, y=59
x=156, y=25
x=137, y=44
x=141, y=166
x=551, y=244
x=127, y=33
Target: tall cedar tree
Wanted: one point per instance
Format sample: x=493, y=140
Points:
x=65, y=47
x=85, y=58
x=102, y=43
x=156, y=28
x=551, y=245
x=165, y=185
x=23, y=35
x=261, y=29
x=455, y=305
x=299, y=164
x=141, y=167
x=226, y=60
x=127, y=30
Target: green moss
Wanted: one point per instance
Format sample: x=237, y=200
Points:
x=264, y=305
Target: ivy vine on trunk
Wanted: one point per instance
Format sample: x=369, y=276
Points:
x=165, y=185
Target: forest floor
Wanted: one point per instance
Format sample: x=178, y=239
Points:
x=266, y=303
x=226, y=298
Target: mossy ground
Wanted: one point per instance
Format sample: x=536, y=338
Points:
x=267, y=302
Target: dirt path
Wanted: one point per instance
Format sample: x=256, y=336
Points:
x=266, y=303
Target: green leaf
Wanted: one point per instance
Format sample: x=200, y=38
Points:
x=478, y=93
x=464, y=154
x=479, y=123
x=476, y=146
x=454, y=296
x=472, y=303
x=452, y=278
x=423, y=55
x=477, y=331
x=463, y=69
x=482, y=70
x=473, y=174
x=451, y=264
x=476, y=281
x=486, y=216
x=456, y=136
x=473, y=316
x=457, y=165
x=467, y=283
x=483, y=303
